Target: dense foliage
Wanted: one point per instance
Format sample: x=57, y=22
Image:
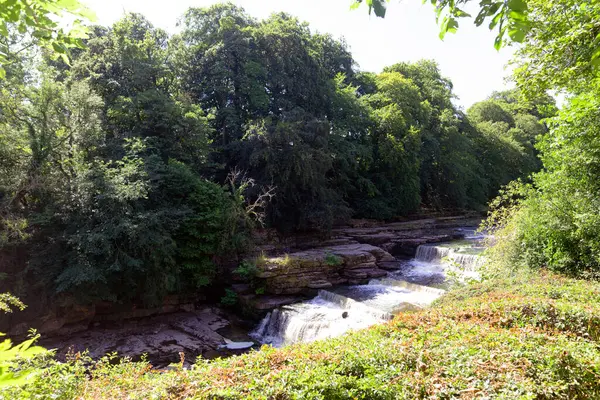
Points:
x=116, y=179
x=115, y=168
x=553, y=221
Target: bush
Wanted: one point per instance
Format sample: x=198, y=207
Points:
x=555, y=221
x=230, y=299
x=333, y=260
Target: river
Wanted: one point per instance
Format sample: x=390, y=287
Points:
x=418, y=283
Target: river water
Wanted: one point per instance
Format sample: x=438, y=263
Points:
x=415, y=285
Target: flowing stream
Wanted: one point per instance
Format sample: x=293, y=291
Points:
x=333, y=312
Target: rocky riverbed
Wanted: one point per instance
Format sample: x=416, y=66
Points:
x=208, y=332
x=291, y=271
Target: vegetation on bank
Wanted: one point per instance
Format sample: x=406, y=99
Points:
x=137, y=170
x=528, y=336
x=138, y=157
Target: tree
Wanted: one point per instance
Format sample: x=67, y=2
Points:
x=38, y=17
x=140, y=169
x=562, y=50
x=552, y=222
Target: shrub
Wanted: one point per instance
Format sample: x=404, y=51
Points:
x=230, y=299
x=333, y=260
x=554, y=222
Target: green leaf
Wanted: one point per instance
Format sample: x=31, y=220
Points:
x=481, y=17
x=517, y=5
x=69, y=5
x=460, y=13
x=443, y=28
x=497, y=18
x=498, y=43
x=59, y=47
x=452, y=25
x=517, y=16
x=517, y=34
x=2, y=73
x=494, y=8
x=65, y=59
x=379, y=7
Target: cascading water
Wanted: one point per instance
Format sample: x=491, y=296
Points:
x=465, y=258
x=432, y=254
x=334, y=312
x=327, y=315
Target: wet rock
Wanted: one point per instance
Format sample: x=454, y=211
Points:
x=376, y=239
x=267, y=302
x=390, y=265
x=365, y=273
x=320, y=285
x=231, y=345
x=371, y=265
x=377, y=273
x=356, y=274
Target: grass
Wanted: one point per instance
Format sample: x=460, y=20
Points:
x=522, y=337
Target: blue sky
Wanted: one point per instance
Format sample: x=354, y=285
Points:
x=408, y=33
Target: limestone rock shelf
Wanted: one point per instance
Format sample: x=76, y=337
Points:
x=353, y=255
x=323, y=267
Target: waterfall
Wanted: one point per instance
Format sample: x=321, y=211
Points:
x=336, y=311
x=467, y=262
x=332, y=314
x=407, y=285
x=347, y=303
x=449, y=255
x=327, y=315
x=428, y=253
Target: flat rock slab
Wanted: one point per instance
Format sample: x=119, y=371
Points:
x=321, y=268
x=320, y=285
x=267, y=302
x=162, y=338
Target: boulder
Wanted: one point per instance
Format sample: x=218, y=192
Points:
x=268, y=302
x=371, y=265
x=365, y=273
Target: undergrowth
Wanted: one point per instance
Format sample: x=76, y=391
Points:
x=526, y=336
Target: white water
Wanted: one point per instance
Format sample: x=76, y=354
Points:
x=448, y=255
x=332, y=314
x=335, y=312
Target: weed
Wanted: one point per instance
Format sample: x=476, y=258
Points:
x=333, y=260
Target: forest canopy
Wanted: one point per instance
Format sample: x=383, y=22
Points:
x=131, y=172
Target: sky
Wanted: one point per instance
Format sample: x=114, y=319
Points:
x=408, y=33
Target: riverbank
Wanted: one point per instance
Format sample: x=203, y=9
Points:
x=522, y=336
x=294, y=269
